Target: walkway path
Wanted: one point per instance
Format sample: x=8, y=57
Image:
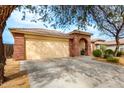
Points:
x=75, y=72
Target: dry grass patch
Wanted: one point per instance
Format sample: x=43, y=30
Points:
x=121, y=60
x=99, y=59
x=15, y=77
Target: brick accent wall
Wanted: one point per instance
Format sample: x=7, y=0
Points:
x=71, y=48
x=19, y=46
x=89, y=52
x=74, y=46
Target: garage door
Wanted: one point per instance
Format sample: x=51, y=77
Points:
x=46, y=48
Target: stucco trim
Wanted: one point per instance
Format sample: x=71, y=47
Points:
x=46, y=38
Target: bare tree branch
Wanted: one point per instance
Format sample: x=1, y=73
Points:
x=107, y=17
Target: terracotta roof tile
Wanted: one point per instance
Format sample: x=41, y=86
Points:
x=80, y=32
x=97, y=39
x=39, y=31
x=112, y=42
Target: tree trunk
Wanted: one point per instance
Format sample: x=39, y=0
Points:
x=2, y=61
x=5, y=12
x=117, y=46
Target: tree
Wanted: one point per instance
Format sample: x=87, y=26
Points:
x=60, y=16
x=5, y=12
x=110, y=20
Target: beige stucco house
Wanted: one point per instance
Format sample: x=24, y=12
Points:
x=35, y=43
x=109, y=44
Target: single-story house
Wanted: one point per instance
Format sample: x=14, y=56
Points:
x=109, y=44
x=36, y=43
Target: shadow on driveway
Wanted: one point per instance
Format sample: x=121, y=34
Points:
x=77, y=72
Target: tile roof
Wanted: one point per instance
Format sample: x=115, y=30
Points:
x=112, y=42
x=80, y=32
x=97, y=39
x=39, y=31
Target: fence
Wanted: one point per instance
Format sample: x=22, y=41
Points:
x=8, y=50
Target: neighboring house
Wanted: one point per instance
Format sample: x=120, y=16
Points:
x=35, y=43
x=109, y=44
x=95, y=43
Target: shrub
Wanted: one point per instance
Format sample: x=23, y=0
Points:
x=97, y=53
x=108, y=53
x=119, y=54
x=123, y=53
x=112, y=59
x=103, y=48
x=82, y=52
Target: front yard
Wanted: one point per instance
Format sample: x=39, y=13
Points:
x=108, y=55
x=15, y=77
x=71, y=72
x=121, y=60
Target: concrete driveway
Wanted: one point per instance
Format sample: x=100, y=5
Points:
x=77, y=72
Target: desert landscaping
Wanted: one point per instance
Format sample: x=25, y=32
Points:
x=61, y=46
x=14, y=77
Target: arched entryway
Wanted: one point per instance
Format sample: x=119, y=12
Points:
x=83, y=44
x=79, y=42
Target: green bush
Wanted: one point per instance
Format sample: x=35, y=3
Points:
x=97, y=53
x=108, y=53
x=119, y=54
x=112, y=59
x=102, y=48
x=82, y=52
x=123, y=53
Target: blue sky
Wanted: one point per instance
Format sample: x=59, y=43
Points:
x=15, y=21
